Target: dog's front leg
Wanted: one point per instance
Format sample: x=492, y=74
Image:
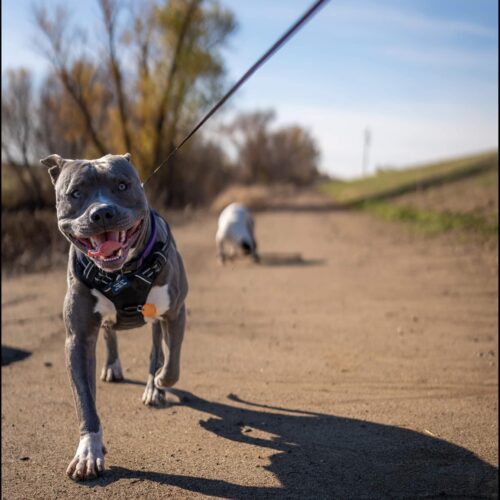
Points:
x=173, y=334
x=221, y=256
x=82, y=327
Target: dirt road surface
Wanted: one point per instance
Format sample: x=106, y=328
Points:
x=357, y=361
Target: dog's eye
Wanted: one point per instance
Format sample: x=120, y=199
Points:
x=75, y=193
x=122, y=186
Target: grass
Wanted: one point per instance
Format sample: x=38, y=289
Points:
x=386, y=193
x=392, y=181
x=433, y=222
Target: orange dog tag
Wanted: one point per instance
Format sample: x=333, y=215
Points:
x=149, y=310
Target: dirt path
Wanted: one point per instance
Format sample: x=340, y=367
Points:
x=366, y=370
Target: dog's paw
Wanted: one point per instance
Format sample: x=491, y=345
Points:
x=112, y=372
x=153, y=396
x=88, y=462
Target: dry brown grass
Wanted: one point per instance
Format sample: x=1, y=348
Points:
x=255, y=197
x=15, y=196
x=31, y=241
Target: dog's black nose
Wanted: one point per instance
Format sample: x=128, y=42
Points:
x=103, y=213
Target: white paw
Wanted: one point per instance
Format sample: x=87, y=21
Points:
x=153, y=396
x=88, y=462
x=112, y=372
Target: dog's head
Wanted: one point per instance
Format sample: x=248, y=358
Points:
x=101, y=206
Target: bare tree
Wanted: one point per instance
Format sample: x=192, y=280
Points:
x=265, y=155
x=59, y=37
x=60, y=127
x=170, y=81
x=18, y=128
x=250, y=133
x=110, y=11
x=179, y=72
x=293, y=156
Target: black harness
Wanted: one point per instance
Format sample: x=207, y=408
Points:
x=128, y=288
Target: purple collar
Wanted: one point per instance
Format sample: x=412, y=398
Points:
x=152, y=238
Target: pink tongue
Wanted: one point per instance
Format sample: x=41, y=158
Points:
x=105, y=249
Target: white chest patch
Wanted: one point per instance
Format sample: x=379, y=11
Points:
x=158, y=296
x=104, y=307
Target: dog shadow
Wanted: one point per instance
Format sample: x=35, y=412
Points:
x=12, y=354
x=131, y=381
x=316, y=455
x=277, y=259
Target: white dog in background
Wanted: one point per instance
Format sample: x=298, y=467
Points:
x=235, y=233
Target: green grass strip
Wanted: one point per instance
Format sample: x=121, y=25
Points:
x=406, y=180
x=433, y=222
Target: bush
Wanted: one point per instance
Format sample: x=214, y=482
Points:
x=31, y=241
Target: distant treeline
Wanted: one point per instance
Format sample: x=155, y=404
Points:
x=153, y=68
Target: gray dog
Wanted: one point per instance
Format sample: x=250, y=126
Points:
x=124, y=270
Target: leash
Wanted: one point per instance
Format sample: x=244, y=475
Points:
x=277, y=45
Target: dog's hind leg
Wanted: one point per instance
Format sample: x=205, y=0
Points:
x=152, y=395
x=173, y=334
x=112, y=369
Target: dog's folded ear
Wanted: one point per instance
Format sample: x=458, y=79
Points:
x=127, y=156
x=55, y=163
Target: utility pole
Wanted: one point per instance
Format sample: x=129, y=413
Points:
x=366, y=146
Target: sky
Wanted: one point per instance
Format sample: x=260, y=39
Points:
x=421, y=75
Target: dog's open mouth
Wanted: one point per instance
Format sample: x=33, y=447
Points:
x=110, y=246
